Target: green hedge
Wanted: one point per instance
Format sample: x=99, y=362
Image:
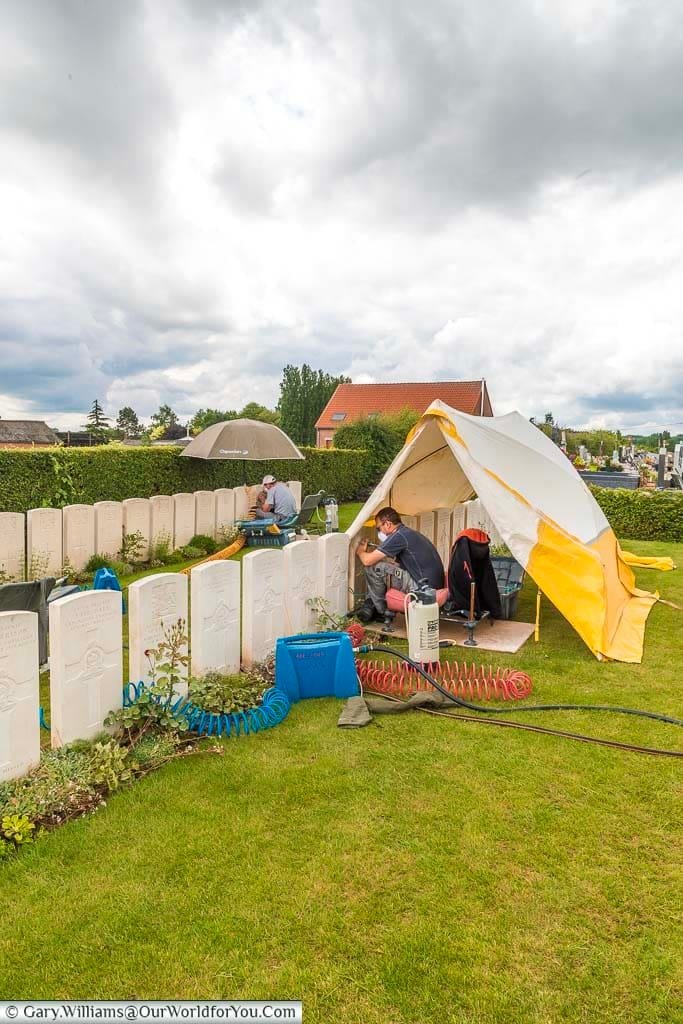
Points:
x=643, y=514
x=63, y=476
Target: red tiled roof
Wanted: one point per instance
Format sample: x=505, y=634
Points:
x=363, y=399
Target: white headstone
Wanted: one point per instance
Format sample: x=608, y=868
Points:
x=184, y=531
x=44, y=542
x=137, y=518
x=459, y=520
x=425, y=525
x=476, y=518
x=79, y=534
x=108, y=527
x=215, y=606
x=19, y=725
x=205, y=513
x=154, y=603
x=333, y=579
x=161, y=510
x=410, y=521
x=302, y=581
x=86, y=663
x=443, y=535
x=243, y=502
x=12, y=547
x=225, y=508
x=263, y=608
x=295, y=488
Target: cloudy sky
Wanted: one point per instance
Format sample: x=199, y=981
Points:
x=196, y=192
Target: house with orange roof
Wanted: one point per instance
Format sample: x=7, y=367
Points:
x=352, y=401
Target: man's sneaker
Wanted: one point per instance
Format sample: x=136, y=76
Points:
x=367, y=612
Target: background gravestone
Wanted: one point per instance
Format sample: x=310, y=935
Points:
x=215, y=604
x=154, y=603
x=410, y=521
x=86, y=663
x=225, y=508
x=183, y=511
x=44, y=542
x=108, y=527
x=78, y=534
x=12, y=547
x=161, y=523
x=19, y=725
x=458, y=520
x=425, y=525
x=243, y=502
x=137, y=518
x=205, y=513
x=263, y=609
x=443, y=534
x=302, y=582
x=295, y=488
x=333, y=571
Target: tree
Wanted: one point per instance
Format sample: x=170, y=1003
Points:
x=304, y=393
x=254, y=411
x=97, y=423
x=164, y=417
x=381, y=436
x=204, y=418
x=128, y=423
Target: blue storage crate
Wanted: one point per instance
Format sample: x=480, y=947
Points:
x=509, y=577
x=316, y=665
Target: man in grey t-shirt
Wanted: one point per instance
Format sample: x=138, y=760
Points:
x=280, y=502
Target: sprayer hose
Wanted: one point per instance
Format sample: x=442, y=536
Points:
x=535, y=707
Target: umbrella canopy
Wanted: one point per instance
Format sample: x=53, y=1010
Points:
x=250, y=440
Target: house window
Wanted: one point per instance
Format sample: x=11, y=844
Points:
x=338, y=416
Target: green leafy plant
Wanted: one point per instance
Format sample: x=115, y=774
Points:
x=108, y=765
x=5, y=577
x=223, y=694
x=153, y=709
x=96, y=562
x=17, y=829
x=207, y=545
x=226, y=535
x=190, y=553
x=153, y=750
x=160, y=548
x=132, y=548
x=326, y=619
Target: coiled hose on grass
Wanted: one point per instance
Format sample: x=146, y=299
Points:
x=272, y=710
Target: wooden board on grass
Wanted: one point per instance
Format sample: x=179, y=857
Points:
x=504, y=637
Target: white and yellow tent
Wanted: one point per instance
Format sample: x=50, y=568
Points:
x=543, y=510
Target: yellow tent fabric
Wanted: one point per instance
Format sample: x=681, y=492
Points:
x=542, y=509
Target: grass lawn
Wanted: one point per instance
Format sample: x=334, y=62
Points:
x=413, y=871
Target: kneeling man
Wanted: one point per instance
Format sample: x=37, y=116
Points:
x=403, y=558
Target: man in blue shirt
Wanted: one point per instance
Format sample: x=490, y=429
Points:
x=403, y=558
x=280, y=502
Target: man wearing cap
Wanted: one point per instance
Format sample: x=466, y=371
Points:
x=280, y=503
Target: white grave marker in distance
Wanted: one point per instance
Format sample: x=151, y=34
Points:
x=161, y=526
x=12, y=546
x=44, y=542
x=295, y=488
x=108, y=527
x=205, y=513
x=86, y=663
x=184, y=531
x=19, y=725
x=443, y=535
x=425, y=525
x=79, y=534
x=137, y=518
x=225, y=508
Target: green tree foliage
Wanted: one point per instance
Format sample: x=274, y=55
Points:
x=164, y=417
x=304, y=393
x=204, y=418
x=127, y=422
x=381, y=436
x=97, y=423
x=254, y=411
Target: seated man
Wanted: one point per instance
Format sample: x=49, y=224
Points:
x=403, y=558
x=280, y=503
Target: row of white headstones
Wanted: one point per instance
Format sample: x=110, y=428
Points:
x=46, y=538
x=237, y=613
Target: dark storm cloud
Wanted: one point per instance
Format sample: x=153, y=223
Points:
x=82, y=81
